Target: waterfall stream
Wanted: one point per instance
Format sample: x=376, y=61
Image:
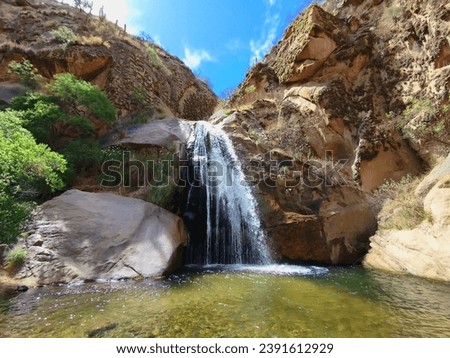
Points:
x=221, y=210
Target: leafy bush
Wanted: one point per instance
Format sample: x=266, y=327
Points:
x=38, y=113
x=16, y=258
x=140, y=118
x=27, y=73
x=73, y=92
x=420, y=107
x=163, y=189
x=27, y=170
x=422, y=119
x=14, y=215
x=250, y=89
x=82, y=154
x=140, y=97
x=162, y=195
x=64, y=35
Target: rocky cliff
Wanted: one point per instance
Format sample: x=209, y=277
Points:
x=102, y=53
x=421, y=248
x=354, y=94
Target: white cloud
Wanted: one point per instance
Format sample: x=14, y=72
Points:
x=194, y=58
x=272, y=2
x=235, y=45
x=120, y=10
x=261, y=46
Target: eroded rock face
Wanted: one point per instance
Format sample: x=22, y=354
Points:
x=341, y=79
x=104, y=55
x=338, y=89
x=306, y=45
x=425, y=250
x=332, y=227
x=309, y=211
x=85, y=236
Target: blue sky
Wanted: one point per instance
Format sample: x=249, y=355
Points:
x=217, y=39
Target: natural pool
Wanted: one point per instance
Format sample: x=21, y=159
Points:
x=278, y=301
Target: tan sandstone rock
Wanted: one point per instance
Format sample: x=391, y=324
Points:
x=425, y=250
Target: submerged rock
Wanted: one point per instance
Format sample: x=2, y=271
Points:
x=100, y=332
x=89, y=236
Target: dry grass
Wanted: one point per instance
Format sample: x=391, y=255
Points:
x=401, y=208
x=90, y=40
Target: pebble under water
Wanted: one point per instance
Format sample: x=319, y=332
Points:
x=237, y=301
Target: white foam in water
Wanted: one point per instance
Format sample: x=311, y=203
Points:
x=277, y=270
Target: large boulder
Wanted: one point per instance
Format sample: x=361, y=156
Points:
x=425, y=250
x=86, y=236
x=165, y=133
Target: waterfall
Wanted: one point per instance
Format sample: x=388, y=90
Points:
x=221, y=210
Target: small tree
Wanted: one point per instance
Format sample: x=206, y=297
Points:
x=73, y=92
x=28, y=74
x=64, y=35
x=27, y=170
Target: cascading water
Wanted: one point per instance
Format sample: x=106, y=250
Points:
x=221, y=211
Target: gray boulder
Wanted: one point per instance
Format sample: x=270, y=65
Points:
x=85, y=236
x=162, y=133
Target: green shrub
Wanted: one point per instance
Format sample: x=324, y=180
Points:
x=82, y=155
x=28, y=74
x=14, y=215
x=250, y=89
x=162, y=195
x=439, y=128
x=38, y=113
x=140, y=118
x=27, y=170
x=420, y=107
x=73, y=92
x=16, y=258
x=140, y=97
x=64, y=35
x=163, y=189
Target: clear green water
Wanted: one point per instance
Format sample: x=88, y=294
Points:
x=221, y=303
